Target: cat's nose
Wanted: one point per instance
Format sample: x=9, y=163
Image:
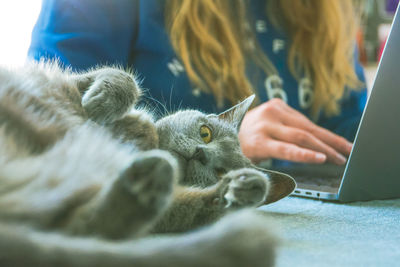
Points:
x=200, y=155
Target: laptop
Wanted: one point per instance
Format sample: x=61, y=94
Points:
x=373, y=167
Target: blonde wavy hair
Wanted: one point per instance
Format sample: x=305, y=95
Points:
x=213, y=40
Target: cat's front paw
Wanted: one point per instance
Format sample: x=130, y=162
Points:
x=244, y=188
x=110, y=94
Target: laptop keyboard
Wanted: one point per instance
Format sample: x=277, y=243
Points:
x=325, y=178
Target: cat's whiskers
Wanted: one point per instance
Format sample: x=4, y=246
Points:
x=156, y=108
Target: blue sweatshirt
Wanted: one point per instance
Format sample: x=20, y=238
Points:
x=131, y=33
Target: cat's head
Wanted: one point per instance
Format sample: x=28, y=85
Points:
x=207, y=146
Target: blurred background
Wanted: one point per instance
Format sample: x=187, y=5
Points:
x=376, y=19
x=17, y=18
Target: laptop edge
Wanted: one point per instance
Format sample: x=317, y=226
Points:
x=377, y=143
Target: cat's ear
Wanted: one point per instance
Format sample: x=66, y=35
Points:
x=235, y=114
x=281, y=185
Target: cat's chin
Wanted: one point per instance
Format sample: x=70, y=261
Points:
x=199, y=174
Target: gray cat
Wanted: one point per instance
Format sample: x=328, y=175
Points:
x=83, y=177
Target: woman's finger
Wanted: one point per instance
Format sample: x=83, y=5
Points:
x=295, y=119
x=292, y=152
x=305, y=139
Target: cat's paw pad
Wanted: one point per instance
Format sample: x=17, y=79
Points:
x=150, y=177
x=245, y=188
x=110, y=95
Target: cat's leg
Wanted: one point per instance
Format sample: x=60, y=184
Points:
x=136, y=199
x=240, y=239
x=138, y=128
x=108, y=93
x=194, y=207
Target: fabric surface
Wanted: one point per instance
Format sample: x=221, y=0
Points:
x=317, y=233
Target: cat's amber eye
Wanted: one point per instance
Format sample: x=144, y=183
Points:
x=205, y=134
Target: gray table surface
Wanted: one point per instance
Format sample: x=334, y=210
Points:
x=317, y=233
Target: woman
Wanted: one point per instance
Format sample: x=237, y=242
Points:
x=297, y=56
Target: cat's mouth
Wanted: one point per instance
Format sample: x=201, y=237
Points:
x=219, y=171
x=196, y=156
x=191, y=168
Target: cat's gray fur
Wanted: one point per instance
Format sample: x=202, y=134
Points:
x=82, y=177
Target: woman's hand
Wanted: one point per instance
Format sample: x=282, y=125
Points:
x=275, y=130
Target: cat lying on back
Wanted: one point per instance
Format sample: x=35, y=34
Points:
x=78, y=167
